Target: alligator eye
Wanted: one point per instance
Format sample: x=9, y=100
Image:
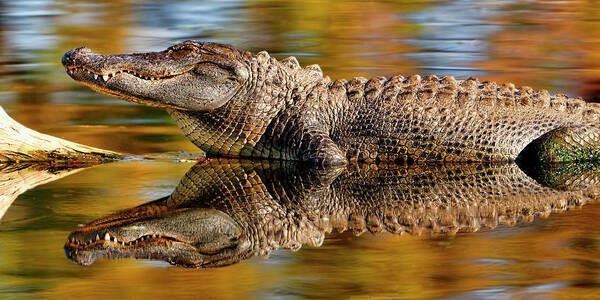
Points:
x=212, y=70
x=180, y=53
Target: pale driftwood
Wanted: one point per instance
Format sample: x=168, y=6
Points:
x=21, y=144
x=15, y=179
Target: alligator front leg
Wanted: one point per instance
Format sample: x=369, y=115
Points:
x=317, y=148
x=565, y=144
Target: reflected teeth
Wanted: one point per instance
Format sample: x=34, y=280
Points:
x=108, y=238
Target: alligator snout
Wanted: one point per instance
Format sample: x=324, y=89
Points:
x=151, y=65
x=74, y=57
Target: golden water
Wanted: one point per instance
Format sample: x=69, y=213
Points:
x=544, y=44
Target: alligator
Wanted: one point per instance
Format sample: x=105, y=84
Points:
x=225, y=211
x=234, y=103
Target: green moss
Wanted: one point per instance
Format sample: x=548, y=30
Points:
x=565, y=175
x=551, y=148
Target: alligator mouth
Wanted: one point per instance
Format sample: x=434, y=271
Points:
x=104, y=77
x=116, y=83
x=107, y=238
x=149, y=246
x=153, y=231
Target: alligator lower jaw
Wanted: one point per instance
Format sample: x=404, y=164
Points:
x=114, y=241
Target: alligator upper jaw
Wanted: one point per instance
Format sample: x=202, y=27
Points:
x=148, y=66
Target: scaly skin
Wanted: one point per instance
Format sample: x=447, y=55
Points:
x=223, y=212
x=230, y=102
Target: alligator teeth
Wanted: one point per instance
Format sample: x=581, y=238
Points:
x=107, y=237
x=154, y=235
x=111, y=75
x=97, y=237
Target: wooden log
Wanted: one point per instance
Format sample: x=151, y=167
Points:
x=21, y=144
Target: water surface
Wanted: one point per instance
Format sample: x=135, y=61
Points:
x=543, y=44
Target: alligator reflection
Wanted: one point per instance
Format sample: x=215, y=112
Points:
x=223, y=212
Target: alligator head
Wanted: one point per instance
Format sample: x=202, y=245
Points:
x=186, y=236
x=188, y=76
x=223, y=99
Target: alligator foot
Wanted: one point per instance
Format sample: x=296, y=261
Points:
x=320, y=150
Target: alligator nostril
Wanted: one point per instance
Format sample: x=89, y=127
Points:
x=67, y=59
x=70, y=57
